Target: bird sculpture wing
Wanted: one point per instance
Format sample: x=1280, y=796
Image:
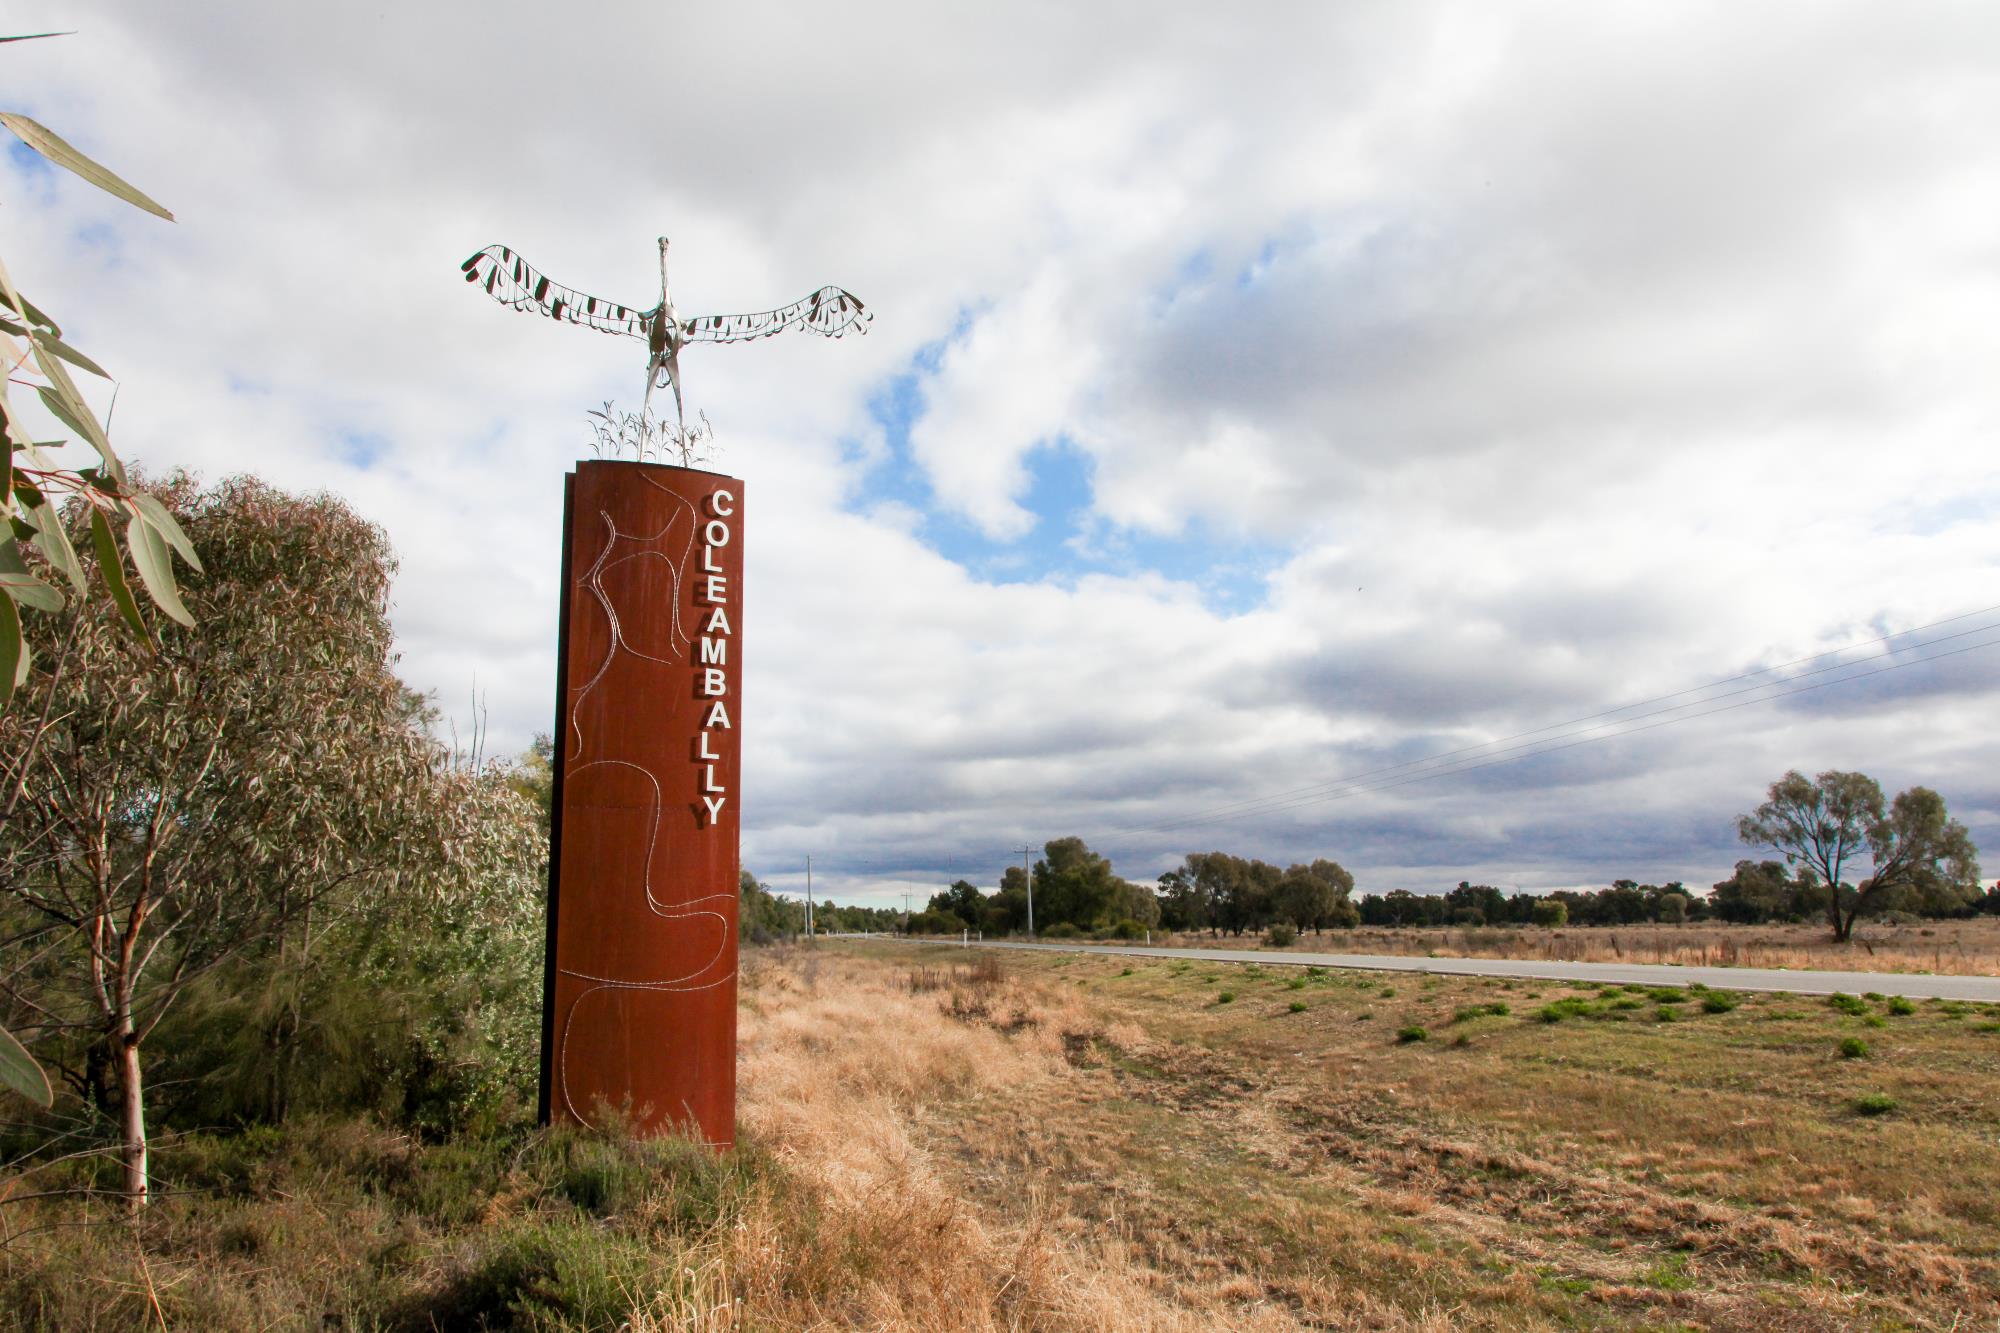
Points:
x=510, y=280
x=829, y=310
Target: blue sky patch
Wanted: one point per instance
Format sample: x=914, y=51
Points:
x=1070, y=538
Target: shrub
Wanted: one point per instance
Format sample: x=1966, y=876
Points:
x=1298, y=1006
x=1062, y=930
x=1718, y=1002
x=1853, y=1048
x=1576, y=1006
x=1387, y=992
x=1128, y=929
x=1281, y=935
x=1126, y=972
x=1900, y=1006
x=1874, y=1103
x=1296, y=983
x=1847, y=1004
x=1666, y=1013
x=1412, y=1033
x=1226, y=997
x=1472, y=1011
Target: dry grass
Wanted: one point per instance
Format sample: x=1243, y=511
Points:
x=1248, y=1162
x=1966, y=948
x=933, y=1141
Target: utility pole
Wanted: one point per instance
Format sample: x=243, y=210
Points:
x=1028, y=873
x=809, y=895
x=906, y=911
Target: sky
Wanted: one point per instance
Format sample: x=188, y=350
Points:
x=1257, y=398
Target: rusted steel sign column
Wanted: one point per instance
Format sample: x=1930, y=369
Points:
x=639, y=1011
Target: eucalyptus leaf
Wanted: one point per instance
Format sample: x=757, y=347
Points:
x=23, y=586
x=22, y=306
x=62, y=349
x=52, y=146
x=155, y=562
x=13, y=649
x=48, y=532
x=109, y=561
x=167, y=526
x=19, y=1071
x=84, y=423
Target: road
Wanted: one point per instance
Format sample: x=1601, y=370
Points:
x=1916, y=986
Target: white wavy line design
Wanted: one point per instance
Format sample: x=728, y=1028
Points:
x=658, y=545
x=592, y=581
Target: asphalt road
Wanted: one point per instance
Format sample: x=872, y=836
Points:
x=1917, y=986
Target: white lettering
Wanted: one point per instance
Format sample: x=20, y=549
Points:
x=712, y=682
x=718, y=622
x=708, y=782
x=718, y=715
x=714, y=651
x=714, y=526
x=702, y=750
x=716, y=505
x=708, y=560
x=715, y=588
x=714, y=804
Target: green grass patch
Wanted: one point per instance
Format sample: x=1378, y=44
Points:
x=1900, y=1006
x=1874, y=1103
x=1847, y=1004
x=1853, y=1048
x=1412, y=1033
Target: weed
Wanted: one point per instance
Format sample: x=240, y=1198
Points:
x=1847, y=1004
x=1669, y=1274
x=1466, y=1015
x=1126, y=972
x=1718, y=1002
x=1666, y=1013
x=1297, y=1006
x=1874, y=1103
x=1387, y=992
x=1853, y=1048
x=1227, y=997
x=1412, y=1033
x=1296, y=983
x=1900, y=1006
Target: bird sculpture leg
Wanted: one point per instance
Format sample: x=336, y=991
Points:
x=674, y=374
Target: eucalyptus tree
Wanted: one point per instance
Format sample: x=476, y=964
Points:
x=34, y=488
x=197, y=798
x=1919, y=853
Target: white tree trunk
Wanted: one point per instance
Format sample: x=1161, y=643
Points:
x=136, y=1184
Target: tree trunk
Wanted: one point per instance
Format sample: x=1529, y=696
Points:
x=134, y=1122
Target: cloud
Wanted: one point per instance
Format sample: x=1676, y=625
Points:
x=1545, y=361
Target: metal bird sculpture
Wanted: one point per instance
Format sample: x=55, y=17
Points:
x=510, y=280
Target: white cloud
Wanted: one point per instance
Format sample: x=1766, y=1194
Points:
x=1572, y=356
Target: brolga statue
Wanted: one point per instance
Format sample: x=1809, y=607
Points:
x=510, y=280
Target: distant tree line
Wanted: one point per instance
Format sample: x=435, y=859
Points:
x=1923, y=865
